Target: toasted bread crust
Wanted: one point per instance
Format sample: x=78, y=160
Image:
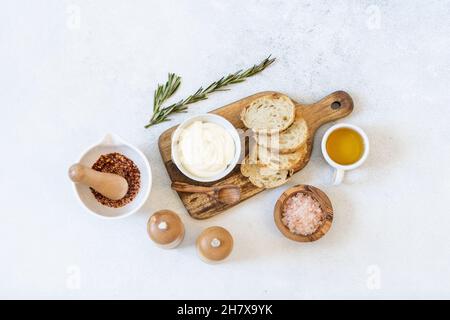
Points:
x=271, y=113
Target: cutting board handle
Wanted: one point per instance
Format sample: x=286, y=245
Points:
x=334, y=106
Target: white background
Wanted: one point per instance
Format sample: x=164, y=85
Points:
x=71, y=71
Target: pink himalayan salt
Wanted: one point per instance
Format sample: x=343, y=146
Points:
x=302, y=214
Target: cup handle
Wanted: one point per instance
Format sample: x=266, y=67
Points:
x=338, y=176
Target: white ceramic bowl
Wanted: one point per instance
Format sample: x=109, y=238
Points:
x=112, y=143
x=207, y=118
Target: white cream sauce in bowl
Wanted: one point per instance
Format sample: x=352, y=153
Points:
x=206, y=148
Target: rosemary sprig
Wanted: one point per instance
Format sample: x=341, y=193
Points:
x=162, y=93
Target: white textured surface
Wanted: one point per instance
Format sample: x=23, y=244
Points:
x=63, y=86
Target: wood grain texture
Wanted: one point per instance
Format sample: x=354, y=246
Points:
x=227, y=194
x=316, y=194
x=200, y=206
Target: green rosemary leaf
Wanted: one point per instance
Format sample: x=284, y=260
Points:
x=164, y=92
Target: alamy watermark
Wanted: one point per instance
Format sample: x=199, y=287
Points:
x=73, y=277
x=373, y=280
x=373, y=17
x=73, y=17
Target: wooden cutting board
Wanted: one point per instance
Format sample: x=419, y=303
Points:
x=335, y=106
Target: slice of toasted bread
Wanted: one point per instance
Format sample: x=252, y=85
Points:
x=264, y=177
x=272, y=159
x=271, y=113
x=287, y=141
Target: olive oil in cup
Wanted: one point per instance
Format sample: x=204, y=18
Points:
x=344, y=147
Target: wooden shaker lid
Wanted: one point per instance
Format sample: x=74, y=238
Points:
x=165, y=227
x=215, y=244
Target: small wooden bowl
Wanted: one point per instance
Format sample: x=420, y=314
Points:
x=316, y=194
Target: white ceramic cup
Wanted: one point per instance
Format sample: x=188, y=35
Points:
x=339, y=169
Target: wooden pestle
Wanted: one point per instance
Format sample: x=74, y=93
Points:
x=110, y=185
